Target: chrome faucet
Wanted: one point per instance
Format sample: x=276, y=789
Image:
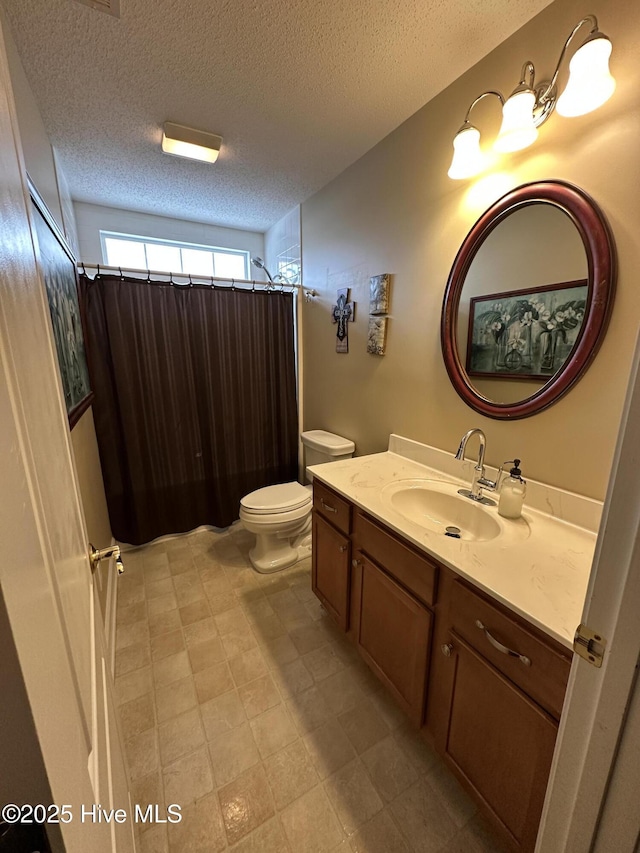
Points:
x=479, y=481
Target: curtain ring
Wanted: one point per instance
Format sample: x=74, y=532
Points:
x=121, y=275
x=148, y=276
x=171, y=281
x=233, y=284
x=84, y=271
x=190, y=281
x=98, y=268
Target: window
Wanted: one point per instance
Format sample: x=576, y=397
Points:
x=144, y=253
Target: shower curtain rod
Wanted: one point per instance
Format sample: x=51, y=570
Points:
x=244, y=283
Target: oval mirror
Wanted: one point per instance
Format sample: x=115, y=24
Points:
x=528, y=299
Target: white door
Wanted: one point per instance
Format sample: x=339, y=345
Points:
x=44, y=567
x=592, y=799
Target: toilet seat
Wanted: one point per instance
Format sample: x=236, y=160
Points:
x=280, y=516
x=271, y=500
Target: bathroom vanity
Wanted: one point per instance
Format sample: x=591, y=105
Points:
x=471, y=636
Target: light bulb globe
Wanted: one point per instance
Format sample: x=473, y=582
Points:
x=590, y=82
x=468, y=159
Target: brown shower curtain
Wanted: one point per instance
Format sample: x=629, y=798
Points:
x=195, y=399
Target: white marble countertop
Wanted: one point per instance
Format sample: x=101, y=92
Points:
x=540, y=571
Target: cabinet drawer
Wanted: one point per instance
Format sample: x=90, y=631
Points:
x=334, y=508
x=544, y=678
x=414, y=571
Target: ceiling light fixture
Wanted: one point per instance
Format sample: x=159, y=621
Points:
x=590, y=85
x=181, y=141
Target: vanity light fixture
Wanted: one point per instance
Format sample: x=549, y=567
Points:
x=518, y=129
x=590, y=85
x=182, y=141
x=468, y=158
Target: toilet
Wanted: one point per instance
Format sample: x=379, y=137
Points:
x=280, y=515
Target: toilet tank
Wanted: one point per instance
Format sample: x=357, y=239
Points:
x=321, y=446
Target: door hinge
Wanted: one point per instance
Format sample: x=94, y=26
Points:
x=589, y=645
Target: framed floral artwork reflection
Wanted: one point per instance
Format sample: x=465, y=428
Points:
x=525, y=334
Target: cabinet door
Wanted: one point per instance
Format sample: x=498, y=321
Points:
x=500, y=742
x=331, y=569
x=393, y=637
x=488, y=629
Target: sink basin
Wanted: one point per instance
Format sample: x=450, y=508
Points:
x=437, y=506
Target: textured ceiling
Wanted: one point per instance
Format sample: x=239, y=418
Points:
x=299, y=89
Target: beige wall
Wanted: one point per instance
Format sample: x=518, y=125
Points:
x=395, y=210
x=85, y=451
x=39, y=161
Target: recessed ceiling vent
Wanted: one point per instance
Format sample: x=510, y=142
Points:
x=111, y=7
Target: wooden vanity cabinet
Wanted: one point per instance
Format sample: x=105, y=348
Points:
x=441, y=648
x=393, y=634
x=331, y=553
x=494, y=715
x=500, y=743
x=391, y=624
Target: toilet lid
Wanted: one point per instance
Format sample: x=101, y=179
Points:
x=278, y=498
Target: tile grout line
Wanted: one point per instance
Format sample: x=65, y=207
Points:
x=286, y=693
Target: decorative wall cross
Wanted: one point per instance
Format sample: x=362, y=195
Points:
x=343, y=313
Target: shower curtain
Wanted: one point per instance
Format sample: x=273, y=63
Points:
x=195, y=399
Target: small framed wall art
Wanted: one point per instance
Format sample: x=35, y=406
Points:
x=379, y=286
x=377, y=335
x=342, y=313
x=379, y=290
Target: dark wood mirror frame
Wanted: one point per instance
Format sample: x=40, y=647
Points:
x=601, y=258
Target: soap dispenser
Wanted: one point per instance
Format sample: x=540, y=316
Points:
x=512, y=492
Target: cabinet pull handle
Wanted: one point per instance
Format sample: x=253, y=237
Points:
x=342, y=548
x=446, y=649
x=356, y=563
x=503, y=649
x=327, y=507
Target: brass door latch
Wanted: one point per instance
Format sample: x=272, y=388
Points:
x=96, y=555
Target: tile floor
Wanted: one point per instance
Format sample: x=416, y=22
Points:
x=242, y=702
